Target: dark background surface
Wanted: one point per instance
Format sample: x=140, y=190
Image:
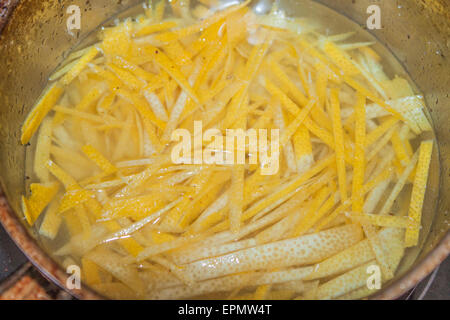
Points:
x=11, y=259
x=435, y=287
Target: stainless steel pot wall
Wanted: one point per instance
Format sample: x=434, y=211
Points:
x=35, y=38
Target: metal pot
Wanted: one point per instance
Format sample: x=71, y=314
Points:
x=34, y=40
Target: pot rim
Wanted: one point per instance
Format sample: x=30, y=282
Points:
x=36, y=255
x=54, y=273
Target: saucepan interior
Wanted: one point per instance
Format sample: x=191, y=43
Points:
x=35, y=41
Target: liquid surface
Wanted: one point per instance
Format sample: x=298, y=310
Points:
x=138, y=179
